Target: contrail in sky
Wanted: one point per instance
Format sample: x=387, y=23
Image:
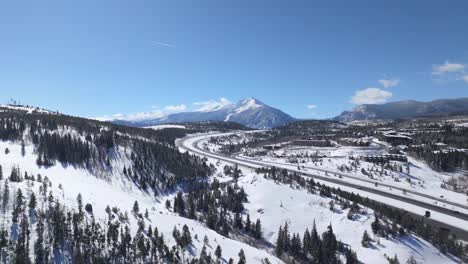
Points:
x=163, y=44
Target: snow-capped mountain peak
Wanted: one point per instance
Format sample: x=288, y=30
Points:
x=247, y=104
x=250, y=112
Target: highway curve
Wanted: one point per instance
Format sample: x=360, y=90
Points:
x=461, y=233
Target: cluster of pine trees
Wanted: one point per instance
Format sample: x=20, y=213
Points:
x=312, y=248
x=219, y=206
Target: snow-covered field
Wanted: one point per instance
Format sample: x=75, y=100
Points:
x=159, y=127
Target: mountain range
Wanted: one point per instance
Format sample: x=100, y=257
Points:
x=405, y=109
x=249, y=112
x=253, y=113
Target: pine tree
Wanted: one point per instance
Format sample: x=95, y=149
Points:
x=3, y=239
x=191, y=209
x=15, y=175
x=241, y=257
x=296, y=246
x=5, y=197
x=179, y=206
x=411, y=260
x=203, y=254
x=79, y=200
x=375, y=225
x=329, y=246
x=186, y=236
x=280, y=242
x=136, y=208
x=39, y=244
x=394, y=260
x=18, y=209
x=365, y=239
x=21, y=251
x=286, y=238
x=247, y=224
x=258, y=229
x=32, y=201
x=218, y=252
x=315, y=244
x=23, y=150
x=351, y=257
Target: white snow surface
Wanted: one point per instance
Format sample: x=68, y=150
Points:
x=122, y=193
x=163, y=126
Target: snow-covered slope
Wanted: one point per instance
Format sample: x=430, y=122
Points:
x=249, y=112
x=25, y=109
x=66, y=182
x=281, y=204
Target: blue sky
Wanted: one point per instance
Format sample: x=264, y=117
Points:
x=311, y=59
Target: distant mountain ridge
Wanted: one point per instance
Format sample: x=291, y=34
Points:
x=249, y=112
x=405, y=109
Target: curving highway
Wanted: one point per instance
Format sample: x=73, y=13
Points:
x=190, y=143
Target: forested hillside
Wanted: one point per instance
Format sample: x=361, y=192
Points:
x=154, y=163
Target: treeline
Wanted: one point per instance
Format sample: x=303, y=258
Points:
x=445, y=160
x=424, y=146
x=445, y=133
x=93, y=145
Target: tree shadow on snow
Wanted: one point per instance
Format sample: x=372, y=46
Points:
x=413, y=243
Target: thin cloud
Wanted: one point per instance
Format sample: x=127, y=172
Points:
x=311, y=106
x=211, y=105
x=447, y=67
x=155, y=113
x=388, y=82
x=180, y=107
x=465, y=78
x=371, y=96
x=164, y=44
x=133, y=117
x=448, y=72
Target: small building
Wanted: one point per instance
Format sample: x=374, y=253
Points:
x=385, y=158
x=311, y=142
x=273, y=147
x=397, y=139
